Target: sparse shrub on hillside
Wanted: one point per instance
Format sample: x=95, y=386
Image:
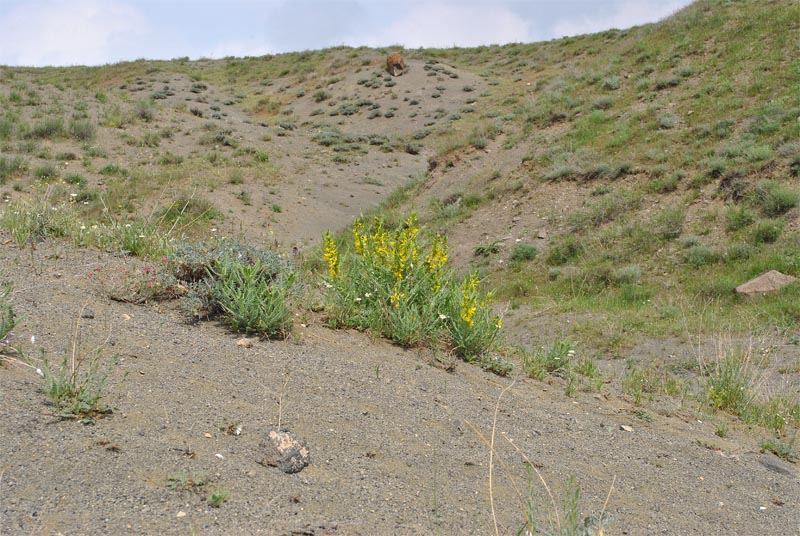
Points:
x=774, y=199
x=115, y=117
x=553, y=358
x=523, y=252
x=768, y=231
x=611, y=83
x=144, y=110
x=46, y=172
x=565, y=250
x=12, y=166
x=738, y=218
x=52, y=127
x=668, y=224
x=388, y=285
x=6, y=128
x=697, y=256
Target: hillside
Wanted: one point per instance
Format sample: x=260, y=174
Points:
x=611, y=190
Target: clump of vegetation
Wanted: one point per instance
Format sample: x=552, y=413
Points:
x=553, y=358
x=247, y=288
x=75, y=386
x=523, y=252
x=388, y=286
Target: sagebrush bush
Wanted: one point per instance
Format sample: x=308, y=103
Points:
x=247, y=288
x=774, y=199
x=738, y=218
x=81, y=130
x=523, y=252
x=387, y=285
x=768, y=231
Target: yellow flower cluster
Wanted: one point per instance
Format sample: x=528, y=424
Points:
x=331, y=255
x=397, y=252
x=436, y=259
x=469, y=299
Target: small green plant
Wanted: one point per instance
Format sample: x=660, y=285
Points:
x=46, y=172
x=276, y=209
x=774, y=199
x=553, y=358
x=50, y=128
x=730, y=380
x=81, y=129
x=738, y=218
x=7, y=323
x=768, y=231
x=75, y=386
x=523, y=252
x=217, y=498
x=782, y=448
x=484, y=250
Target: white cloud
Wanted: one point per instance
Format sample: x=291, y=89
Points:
x=86, y=32
x=445, y=24
x=629, y=13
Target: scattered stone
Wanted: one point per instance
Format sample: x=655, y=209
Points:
x=87, y=313
x=207, y=435
x=542, y=235
x=246, y=342
x=626, y=428
x=281, y=450
x=766, y=282
x=773, y=463
x=181, y=514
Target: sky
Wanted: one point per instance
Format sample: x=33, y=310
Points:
x=95, y=32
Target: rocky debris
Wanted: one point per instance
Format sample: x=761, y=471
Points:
x=766, y=282
x=773, y=463
x=246, y=342
x=87, y=313
x=281, y=450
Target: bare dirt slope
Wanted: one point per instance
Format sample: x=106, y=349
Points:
x=395, y=443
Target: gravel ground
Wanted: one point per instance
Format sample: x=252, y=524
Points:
x=395, y=443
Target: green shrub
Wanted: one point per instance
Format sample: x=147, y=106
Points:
x=738, y=218
x=81, y=129
x=144, y=110
x=76, y=179
x=52, y=127
x=251, y=298
x=774, y=199
x=669, y=223
x=46, y=172
x=112, y=169
x=12, y=166
x=699, y=255
x=567, y=249
x=523, y=252
x=768, y=231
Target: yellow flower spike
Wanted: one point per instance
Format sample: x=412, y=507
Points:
x=331, y=255
x=498, y=322
x=469, y=300
x=359, y=238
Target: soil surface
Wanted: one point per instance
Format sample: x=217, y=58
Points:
x=397, y=446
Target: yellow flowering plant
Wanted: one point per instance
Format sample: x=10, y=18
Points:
x=389, y=284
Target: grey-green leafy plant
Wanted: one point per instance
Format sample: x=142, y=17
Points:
x=252, y=297
x=76, y=384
